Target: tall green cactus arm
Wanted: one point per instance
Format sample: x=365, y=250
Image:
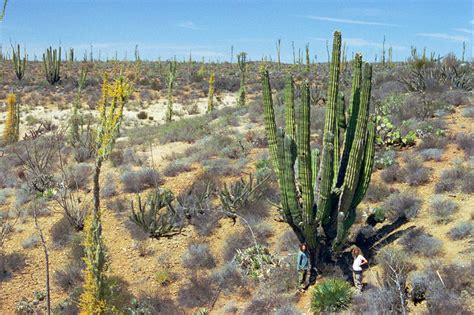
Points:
x=341, y=111
x=367, y=165
x=340, y=124
x=289, y=201
x=354, y=165
x=314, y=166
x=269, y=118
x=325, y=176
x=290, y=107
x=353, y=113
x=304, y=155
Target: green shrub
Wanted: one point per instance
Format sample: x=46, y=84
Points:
x=331, y=295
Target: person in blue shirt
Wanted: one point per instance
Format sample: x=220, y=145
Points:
x=303, y=267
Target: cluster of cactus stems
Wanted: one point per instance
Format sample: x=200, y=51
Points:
x=52, y=64
x=210, y=96
x=319, y=197
x=11, y=132
x=170, y=79
x=19, y=63
x=93, y=300
x=242, y=62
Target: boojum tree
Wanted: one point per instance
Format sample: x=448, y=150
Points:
x=94, y=299
x=320, y=196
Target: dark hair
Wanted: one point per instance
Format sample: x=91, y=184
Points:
x=301, y=246
x=356, y=251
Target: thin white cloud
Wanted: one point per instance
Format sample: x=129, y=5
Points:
x=471, y=21
x=360, y=42
x=190, y=25
x=348, y=21
x=318, y=39
x=464, y=30
x=444, y=36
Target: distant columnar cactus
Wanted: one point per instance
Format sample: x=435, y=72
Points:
x=52, y=64
x=320, y=196
x=94, y=299
x=19, y=64
x=210, y=97
x=170, y=79
x=11, y=133
x=242, y=61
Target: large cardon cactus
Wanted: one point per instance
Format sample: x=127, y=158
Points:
x=319, y=197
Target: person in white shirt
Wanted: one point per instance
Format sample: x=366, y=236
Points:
x=359, y=261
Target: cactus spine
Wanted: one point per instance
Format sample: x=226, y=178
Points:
x=242, y=62
x=11, y=133
x=330, y=185
x=94, y=299
x=210, y=96
x=19, y=63
x=52, y=64
x=171, y=79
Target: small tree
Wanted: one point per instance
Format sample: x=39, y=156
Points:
x=94, y=299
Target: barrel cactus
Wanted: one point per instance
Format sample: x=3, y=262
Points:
x=319, y=197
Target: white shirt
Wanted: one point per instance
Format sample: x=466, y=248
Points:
x=356, y=266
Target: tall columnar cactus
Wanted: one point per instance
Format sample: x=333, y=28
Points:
x=210, y=96
x=52, y=64
x=19, y=64
x=71, y=55
x=170, y=79
x=320, y=196
x=11, y=133
x=242, y=61
x=94, y=299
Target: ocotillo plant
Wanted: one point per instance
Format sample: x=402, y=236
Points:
x=210, y=96
x=3, y=10
x=170, y=79
x=19, y=64
x=76, y=119
x=278, y=47
x=242, y=61
x=11, y=133
x=52, y=64
x=320, y=197
x=96, y=292
x=308, y=61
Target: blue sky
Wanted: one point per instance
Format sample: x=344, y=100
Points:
x=209, y=28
